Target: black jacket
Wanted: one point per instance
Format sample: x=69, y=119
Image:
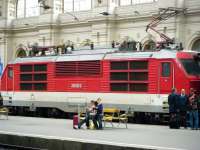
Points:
x=173, y=102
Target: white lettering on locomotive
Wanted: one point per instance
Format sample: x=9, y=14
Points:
x=76, y=85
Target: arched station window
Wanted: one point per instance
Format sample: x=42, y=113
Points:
x=149, y=45
x=196, y=45
x=27, y=8
x=21, y=53
x=76, y=5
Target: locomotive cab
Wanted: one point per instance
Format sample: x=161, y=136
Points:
x=190, y=63
x=7, y=78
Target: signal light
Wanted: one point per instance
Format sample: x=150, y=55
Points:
x=197, y=57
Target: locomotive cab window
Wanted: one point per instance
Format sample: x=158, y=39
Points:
x=191, y=66
x=10, y=73
x=166, y=69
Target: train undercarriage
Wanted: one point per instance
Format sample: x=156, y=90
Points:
x=48, y=112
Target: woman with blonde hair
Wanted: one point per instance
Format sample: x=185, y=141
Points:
x=183, y=98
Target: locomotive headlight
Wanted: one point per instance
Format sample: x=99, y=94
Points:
x=197, y=57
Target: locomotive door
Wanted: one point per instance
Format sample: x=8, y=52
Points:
x=166, y=77
x=10, y=78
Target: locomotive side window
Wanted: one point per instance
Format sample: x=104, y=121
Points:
x=119, y=87
x=121, y=65
x=139, y=65
x=10, y=73
x=26, y=77
x=139, y=87
x=166, y=67
x=33, y=77
x=40, y=77
x=139, y=76
x=40, y=86
x=26, y=68
x=26, y=86
x=40, y=67
x=130, y=76
x=119, y=76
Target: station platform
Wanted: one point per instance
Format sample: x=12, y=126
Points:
x=58, y=134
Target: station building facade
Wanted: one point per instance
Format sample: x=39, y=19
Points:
x=24, y=23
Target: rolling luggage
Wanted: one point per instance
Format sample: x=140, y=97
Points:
x=75, y=121
x=174, y=122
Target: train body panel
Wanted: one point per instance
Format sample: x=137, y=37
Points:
x=70, y=101
x=141, y=80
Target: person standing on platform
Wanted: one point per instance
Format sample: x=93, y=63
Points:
x=198, y=103
x=173, y=99
x=183, y=107
x=193, y=109
x=1, y=101
x=88, y=116
x=99, y=115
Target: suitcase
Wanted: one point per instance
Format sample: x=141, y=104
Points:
x=75, y=121
x=174, y=122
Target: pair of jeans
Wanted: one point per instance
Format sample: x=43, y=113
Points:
x=86, y=120
x=183, y=117
x=98, y=121
x=194, y=119
x=199, y=117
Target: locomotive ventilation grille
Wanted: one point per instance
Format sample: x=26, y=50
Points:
x=80, y=68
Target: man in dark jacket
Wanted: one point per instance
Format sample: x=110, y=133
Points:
x=99, y=115
x=174, y=109
x=173, y=101
x=198, y=103
x=1, y=101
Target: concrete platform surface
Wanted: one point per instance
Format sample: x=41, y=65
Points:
x=141, y=136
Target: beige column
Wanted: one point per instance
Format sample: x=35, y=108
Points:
x=180, y=23
x=47, y=34
x=8, y=13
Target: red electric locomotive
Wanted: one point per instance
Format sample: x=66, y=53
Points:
x=138, y=81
